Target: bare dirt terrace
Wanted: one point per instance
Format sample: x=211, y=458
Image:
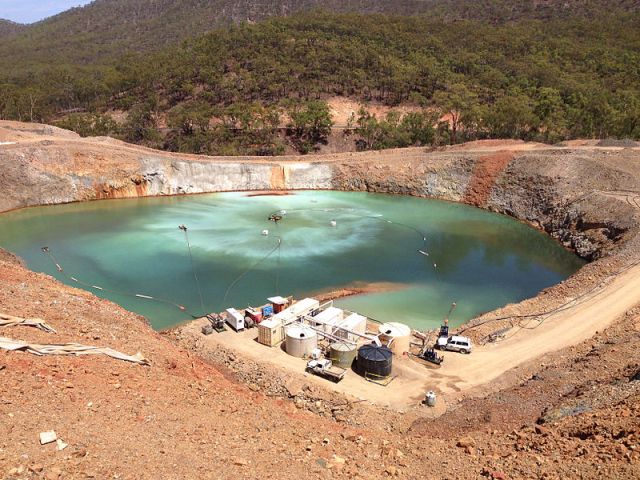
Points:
x=556, y=395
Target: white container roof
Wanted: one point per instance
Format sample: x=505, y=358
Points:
x=395, y=329
x=277, y=300
x=352, y=321
x=300, y=332
x=271, y=323
x=235, y=313
x=329, y=314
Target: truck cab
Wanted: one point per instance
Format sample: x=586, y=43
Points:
x=443, y=337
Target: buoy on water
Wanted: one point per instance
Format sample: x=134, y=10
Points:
x=333, y=223
x=265, y=232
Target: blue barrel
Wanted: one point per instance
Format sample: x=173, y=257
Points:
x=267, y=310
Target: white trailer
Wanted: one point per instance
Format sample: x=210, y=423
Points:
x=352, y=327
x=297, y=310
x=303, y=307
x=235, y=319
x=328, y=319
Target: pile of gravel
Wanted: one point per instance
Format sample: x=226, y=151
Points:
x=614, y=142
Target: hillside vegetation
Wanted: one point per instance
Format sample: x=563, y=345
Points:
x=8, y=28
x=104, y=29
x=260, y=87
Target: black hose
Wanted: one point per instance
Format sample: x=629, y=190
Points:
x=193, y=268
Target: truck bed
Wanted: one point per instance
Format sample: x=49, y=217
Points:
x=332, y=373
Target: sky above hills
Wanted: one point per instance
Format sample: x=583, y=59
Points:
x=29, y=11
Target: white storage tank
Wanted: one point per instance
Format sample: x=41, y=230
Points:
x=301, y=341
x=397, y=336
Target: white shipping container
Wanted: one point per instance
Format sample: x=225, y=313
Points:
x=297, y=310
x=353, y=323
x=304, y=306
x=270, y=332
x=328, y=319
x=235, y=319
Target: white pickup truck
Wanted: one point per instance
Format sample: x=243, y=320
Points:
x=325, y=368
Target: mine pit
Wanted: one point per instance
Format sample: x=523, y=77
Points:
x=548, y=375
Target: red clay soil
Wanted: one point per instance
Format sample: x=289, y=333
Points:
x=486, y=171
x=177, y=418
x=270, y=193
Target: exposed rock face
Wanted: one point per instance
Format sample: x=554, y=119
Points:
x=566, y=192
x=171, y=177
x=162, y=176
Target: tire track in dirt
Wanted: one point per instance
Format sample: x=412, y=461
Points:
x=486, y=171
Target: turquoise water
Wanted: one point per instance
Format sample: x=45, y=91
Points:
x=482, y=260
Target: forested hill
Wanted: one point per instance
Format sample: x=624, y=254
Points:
x=8, y=28
x=105, y=29
x=262, y=87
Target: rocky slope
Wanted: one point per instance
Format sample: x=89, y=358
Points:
x=557, y=189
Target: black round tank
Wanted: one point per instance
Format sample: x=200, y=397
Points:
x=374, y=361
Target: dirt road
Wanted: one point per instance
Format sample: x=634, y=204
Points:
x=589, y=314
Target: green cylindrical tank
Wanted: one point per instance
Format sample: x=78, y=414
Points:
x=342, y=354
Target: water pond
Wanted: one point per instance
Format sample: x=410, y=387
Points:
x=415, y=256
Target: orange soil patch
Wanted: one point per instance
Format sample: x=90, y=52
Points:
x=343, y=108
x=278, y=177
x=269, y=193
x=359, y=288
x=484, y=177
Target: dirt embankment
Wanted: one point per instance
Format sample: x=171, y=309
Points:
x=571, y=413
x=485, y=174
x=562, y=190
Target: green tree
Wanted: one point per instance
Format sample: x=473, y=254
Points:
x=310, y=125
x=550, y=109
x=89, y=125
x=419, y=127
x=368, y=129
x=190, y=117
x=141, y=125
x=627, y=120
x=458, y=103
x=512, y=116
x=394, y=130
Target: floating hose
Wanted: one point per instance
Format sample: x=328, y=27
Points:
x=89, y=286
x=239, y=277
x=193, y=268
x=278, y=268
